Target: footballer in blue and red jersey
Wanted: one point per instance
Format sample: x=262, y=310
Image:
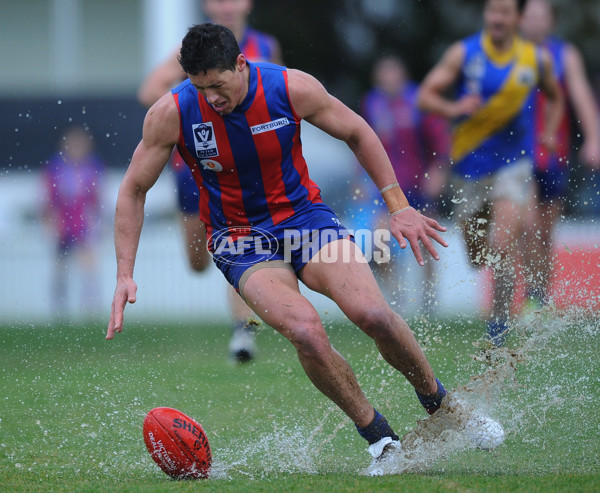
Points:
x=551, y=169
x=256, y=47
x=258, y=187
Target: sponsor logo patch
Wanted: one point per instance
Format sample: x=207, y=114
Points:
x=211, y=165
x=267, y=127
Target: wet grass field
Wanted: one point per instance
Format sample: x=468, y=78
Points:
x=72, y=407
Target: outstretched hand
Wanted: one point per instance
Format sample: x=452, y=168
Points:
x=467, y=105
x=410, y=226
x=125, y=292
x=590, y=153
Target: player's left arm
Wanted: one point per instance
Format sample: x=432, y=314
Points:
x=314, y=104
x=582, y=98
x=556, y=105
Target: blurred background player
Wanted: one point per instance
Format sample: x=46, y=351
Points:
x=72, y=212
x=233, y=14
x=258, y=47
x=495, y=72
x=417, y=144
x=551, y=169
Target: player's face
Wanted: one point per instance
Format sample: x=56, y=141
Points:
x=389, y=76
x=77, y=144
x=501, y=19
x=537, y=22
x=223, y=89
x=229, y=13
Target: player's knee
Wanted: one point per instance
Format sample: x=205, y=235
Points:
x=375, y=321
x=309, y=338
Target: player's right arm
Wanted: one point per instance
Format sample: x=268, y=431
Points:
x=442, y=76
x=160, y=134
x=315, y=105
x=161, y=80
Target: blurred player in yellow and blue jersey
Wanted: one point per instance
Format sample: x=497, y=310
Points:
x=494, y=72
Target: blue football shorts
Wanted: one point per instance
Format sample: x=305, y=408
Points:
x=290, y=244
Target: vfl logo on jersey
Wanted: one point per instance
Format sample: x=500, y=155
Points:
x=204, y=140
x=272, y=125
x=211, y=165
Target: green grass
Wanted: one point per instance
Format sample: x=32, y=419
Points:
x=72, y=407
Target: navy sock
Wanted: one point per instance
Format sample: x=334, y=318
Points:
x=537, y=295
x=377, y=429
x=243, y=326
x=496, y=331
x=432, y=402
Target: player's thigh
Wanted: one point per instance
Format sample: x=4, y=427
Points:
x=195, y=241
x=194, y=229
x=341, y=272
x=274, y=295
x=507, y=222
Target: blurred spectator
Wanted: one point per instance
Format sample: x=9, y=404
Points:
x=72, y=212
x=257, y=47
x=417, y=144
x=551, y=169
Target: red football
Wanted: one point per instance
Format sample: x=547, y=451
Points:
x=177, y=443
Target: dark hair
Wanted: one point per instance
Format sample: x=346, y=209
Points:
x=520, y=5
x=206, y=47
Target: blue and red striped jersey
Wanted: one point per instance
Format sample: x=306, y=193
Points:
x=248, y=164
x=256, y=47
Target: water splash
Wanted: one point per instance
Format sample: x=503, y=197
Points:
x=538, y=406
x=283, y=451
x=520, y=385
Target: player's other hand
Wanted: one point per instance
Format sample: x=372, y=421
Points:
x=590, y=153
x=410, y=227
x=466, y=105
x=125, y=292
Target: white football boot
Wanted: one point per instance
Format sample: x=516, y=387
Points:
x=483, y=432
x=383, y=453
x=242, y=346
